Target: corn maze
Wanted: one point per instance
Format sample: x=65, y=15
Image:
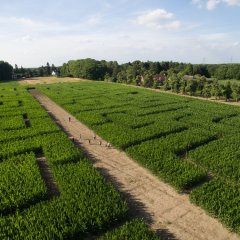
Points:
x=84, y=203
x=191, y=144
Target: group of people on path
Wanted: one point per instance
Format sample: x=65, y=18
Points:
x=94, y=139
x=89, y=140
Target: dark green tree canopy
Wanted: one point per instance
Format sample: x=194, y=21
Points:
x=85, y=68
x=6, y=71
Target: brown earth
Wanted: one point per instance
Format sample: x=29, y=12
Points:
x=169, y=213
x=48, y=80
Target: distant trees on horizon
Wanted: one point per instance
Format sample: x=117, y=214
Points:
x=132, y=72
x=35, y=72
x=191, y=79
x=185, y=78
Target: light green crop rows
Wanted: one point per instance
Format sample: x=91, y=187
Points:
x=87, y=203
x=184, y=141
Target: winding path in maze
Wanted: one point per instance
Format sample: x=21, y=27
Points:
x=169, y=213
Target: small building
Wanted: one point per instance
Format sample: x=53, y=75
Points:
x=54, y=73
x=160, y=77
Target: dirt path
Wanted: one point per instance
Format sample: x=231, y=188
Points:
x=160, y=204
x=48, y=80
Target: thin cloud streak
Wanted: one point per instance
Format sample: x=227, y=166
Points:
x=212, y=4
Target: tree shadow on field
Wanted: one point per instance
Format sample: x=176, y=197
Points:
x=165, y=234
x=39, y=198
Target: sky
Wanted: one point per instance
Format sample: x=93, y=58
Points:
x=34, y=32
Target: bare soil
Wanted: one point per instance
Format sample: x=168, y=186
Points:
x=169, y=213
x=48, y=80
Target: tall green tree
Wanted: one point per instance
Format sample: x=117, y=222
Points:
x=48, y=69
x=201, y=81
x=220, y=72
x=216, y=89
x=188, y=70
x=207, y=90
x=148, y=80
x=183, y=86
x=227, y=91
x=174, y=82
x=191, y=87
x=236, y=91
x=6, y=71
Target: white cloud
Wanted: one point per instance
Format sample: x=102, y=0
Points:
x=24, y=23
x=199, y=3
x=94, y=20
x=19, y=21
x=232, y=2
x=26, y=38
x=158, y=18
x=212, y=4
x=28, y=42
x=26, y=26
x=215, y=47
x=215, y=36
x=173, y=25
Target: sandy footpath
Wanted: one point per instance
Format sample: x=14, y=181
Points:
x=169, y=213
x=48, y=80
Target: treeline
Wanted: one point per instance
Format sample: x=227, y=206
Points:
x=42, y=71
x=134, y=72
x=87, y=68
x=137, y=72
x=201, y=86
x=190, y=79
x=5, y=71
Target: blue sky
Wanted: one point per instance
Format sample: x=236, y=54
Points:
x=198, y=31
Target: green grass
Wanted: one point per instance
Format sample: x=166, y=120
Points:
x=224, y=82
x=134, y=230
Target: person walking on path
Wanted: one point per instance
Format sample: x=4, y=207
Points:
x=108, y=145
x=94, y=136
x=69, y=119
